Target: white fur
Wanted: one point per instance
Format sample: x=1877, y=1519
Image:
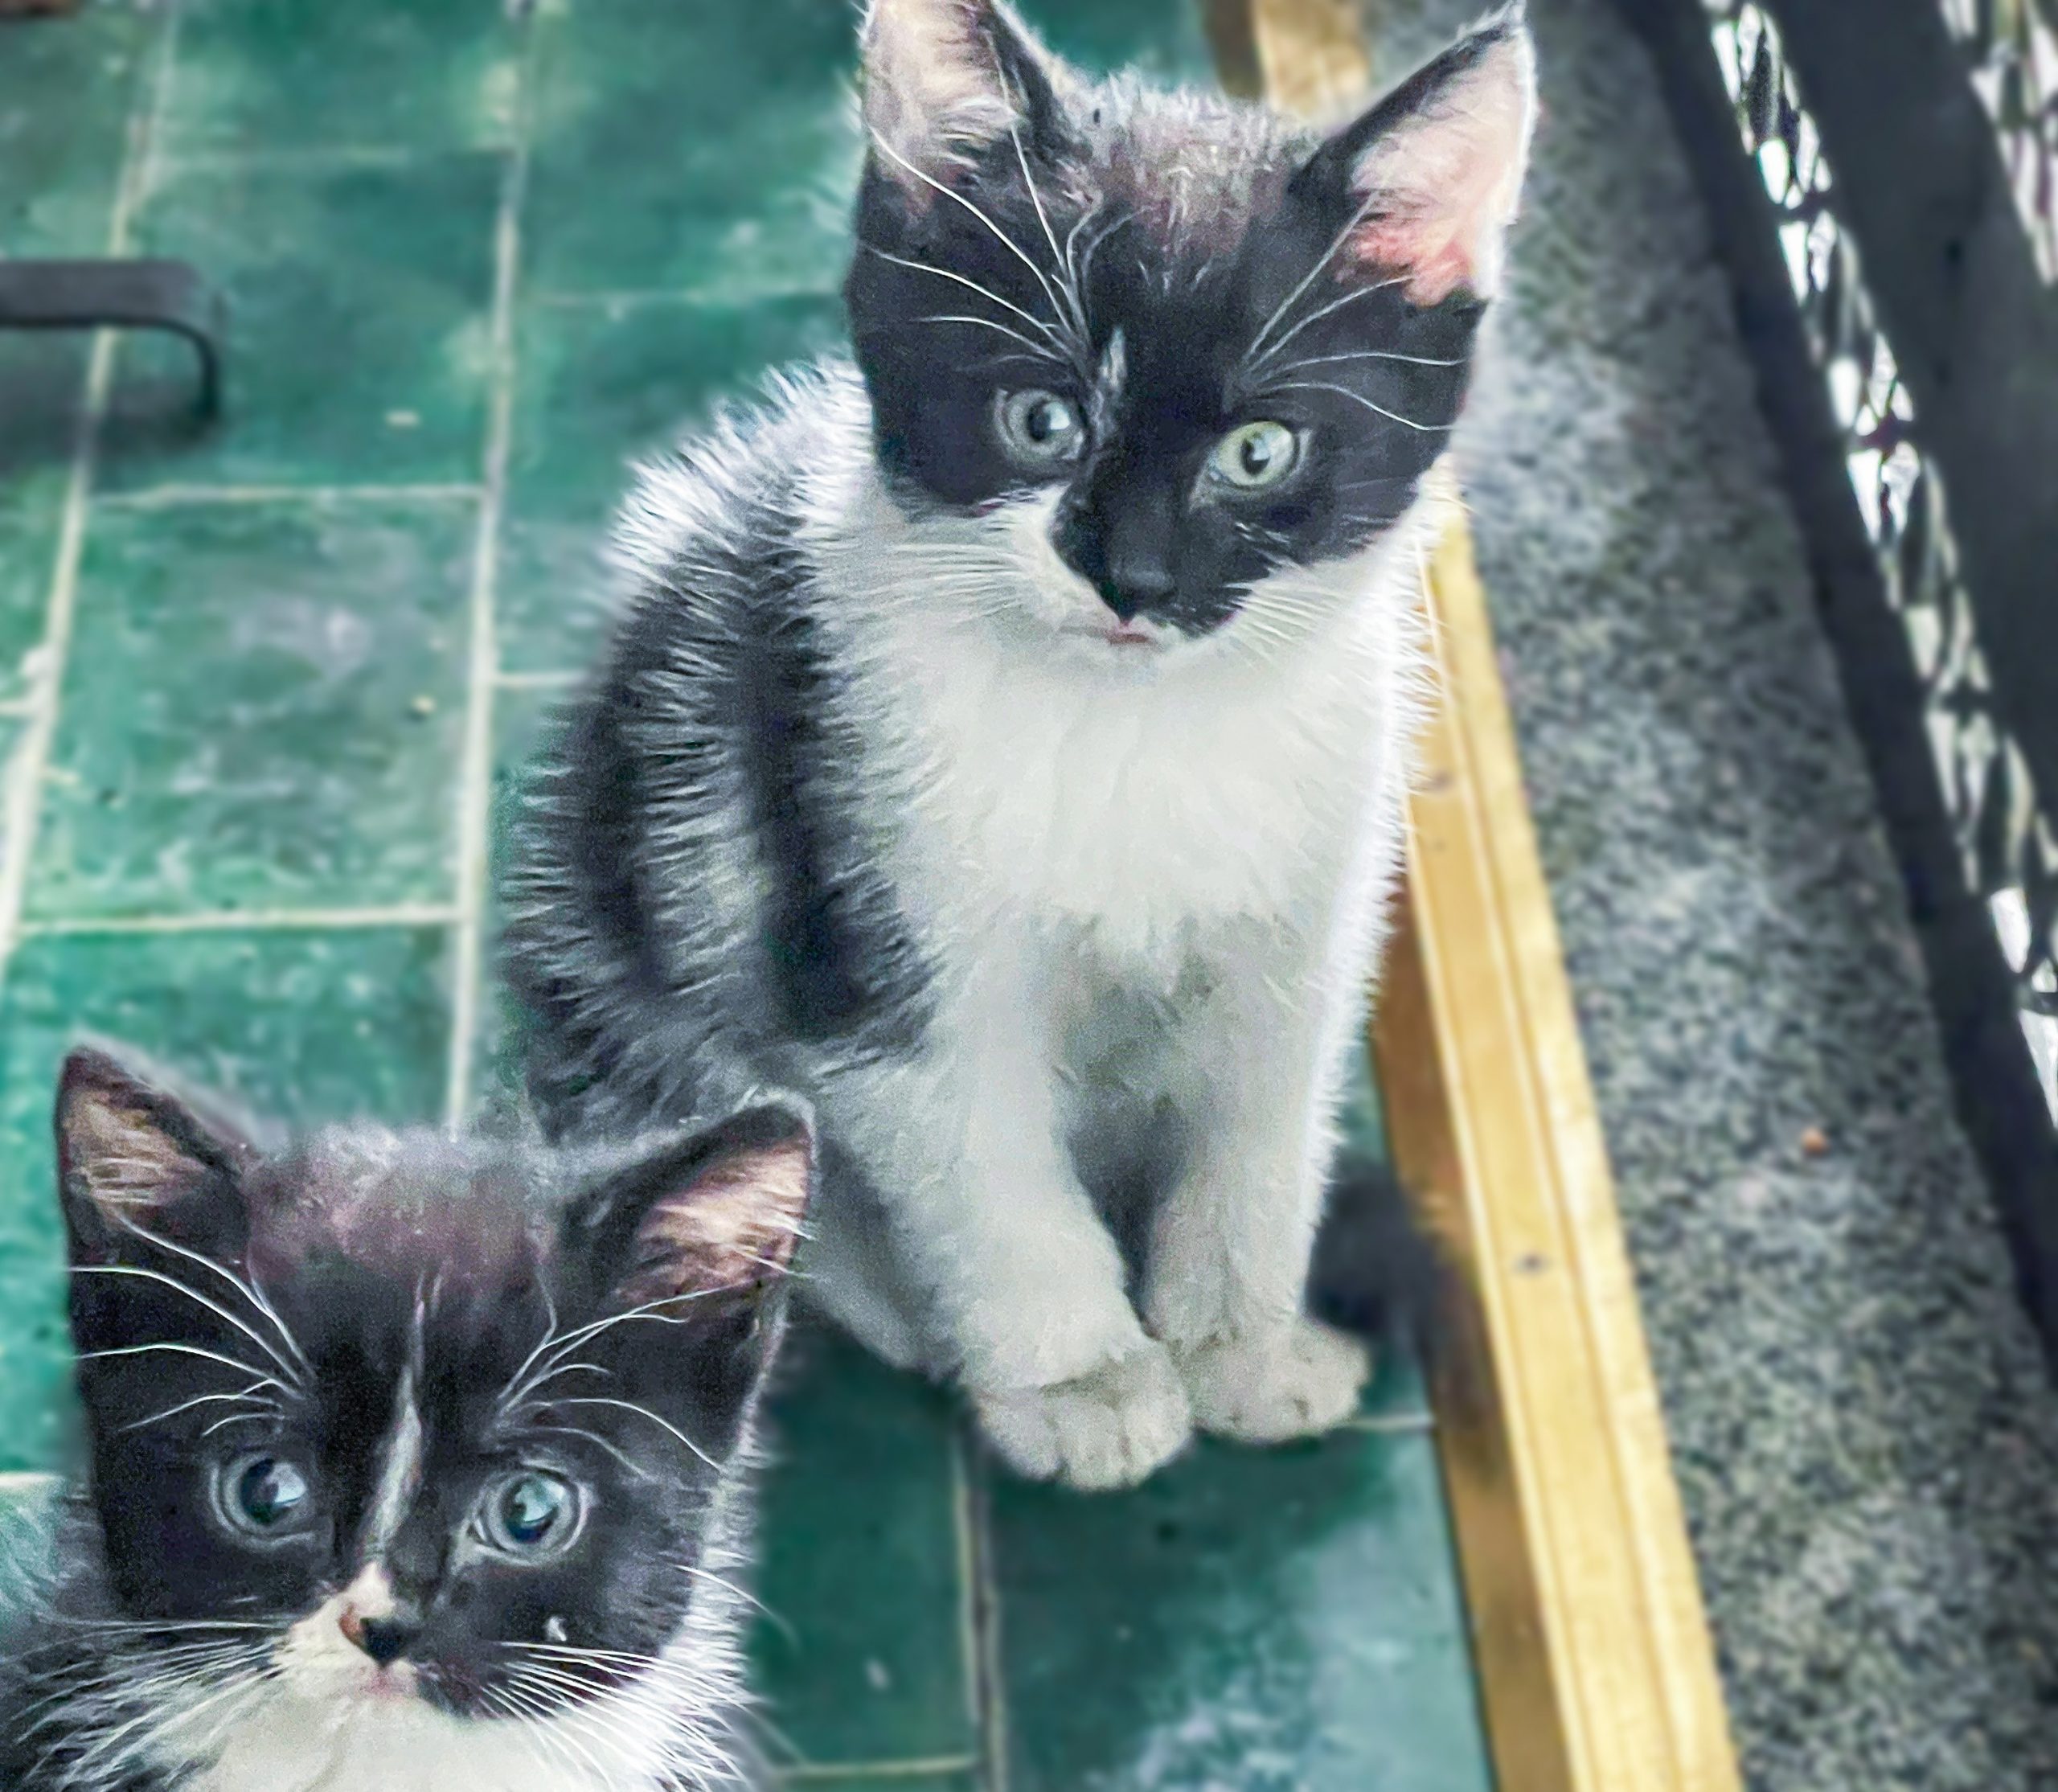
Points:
x=1203, y=831
x=321, y=1717
x=327, y=1719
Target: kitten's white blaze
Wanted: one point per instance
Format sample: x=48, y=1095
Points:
x=400, y=1469
x=1443, y=185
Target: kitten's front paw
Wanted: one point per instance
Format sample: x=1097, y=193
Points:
x=1263, y=1387
x=1110, y=1427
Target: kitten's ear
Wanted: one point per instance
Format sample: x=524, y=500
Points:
x=715, y=1213
x=132, y=1155
x=1431, y=173
x=944, y=79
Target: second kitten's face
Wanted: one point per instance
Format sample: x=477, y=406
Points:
x=407, y=1436
x=1159, y=345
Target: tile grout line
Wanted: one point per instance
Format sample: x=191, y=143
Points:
x=964, y=1527
x=148, y=498
x=537, y=681
x=922, y=1767
x=475, y=775
x=237, y=921
x=1391, y=1425
x=325, y=156
x=983, y=1615
x=20, y=804
x=602, y=299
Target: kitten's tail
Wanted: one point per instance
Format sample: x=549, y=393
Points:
x=1379, y=1270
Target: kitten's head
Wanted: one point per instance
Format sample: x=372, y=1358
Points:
x=1164, y=345
x=414, y=1434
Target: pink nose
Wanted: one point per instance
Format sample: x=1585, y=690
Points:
x=384, y=1639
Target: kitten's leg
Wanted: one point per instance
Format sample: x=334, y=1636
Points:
x=1025, y=1287
x=849, y=1272
x=1225, y=1283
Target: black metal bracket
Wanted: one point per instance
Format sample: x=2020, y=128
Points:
x=124, y=295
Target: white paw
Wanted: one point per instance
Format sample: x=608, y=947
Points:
x=1110, y=1427
x=1262, y=1387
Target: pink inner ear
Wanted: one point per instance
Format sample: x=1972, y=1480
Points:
x=123, y=1159
x=1441, y=189
x=1434, y=255
x=736, y=1223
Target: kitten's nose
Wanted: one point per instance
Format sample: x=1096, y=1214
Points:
x=1130, y=587
x=384, y=1639
x=1124, y=550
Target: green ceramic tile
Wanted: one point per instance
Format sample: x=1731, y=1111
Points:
x=67, y=87
x=281, y=74
x=299, y=1025
x=862, y=1657
x=1161, y=37
x=597, y=386
x=263, y=709
x=521, y=721
x=708, y=149
x=1278, y=1621
x=883, y=1778
x=714, y=149
x=359, y=296
x=10, y=736
x=42, y=387
x=61, y=163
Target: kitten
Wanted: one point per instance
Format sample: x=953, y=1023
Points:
x=415, y=1464
x=1006, y=739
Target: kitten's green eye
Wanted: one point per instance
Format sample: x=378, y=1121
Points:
x=1255, y=456
x=265, y=1496
x=1040, y=430
x=531, y=1514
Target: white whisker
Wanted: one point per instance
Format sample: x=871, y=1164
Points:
x=1359, y=398
x=285, y=1365
x=642, y=1411
x=1000, y=235
x=1057, y=340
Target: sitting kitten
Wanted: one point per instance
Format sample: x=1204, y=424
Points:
x=1006, y=738
x=414, y=1465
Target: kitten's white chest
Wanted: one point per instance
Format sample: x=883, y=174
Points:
x=1137, y=805
x=294, y=1745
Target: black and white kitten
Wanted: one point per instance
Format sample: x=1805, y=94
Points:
x=415, y=1464
x=1006, y=738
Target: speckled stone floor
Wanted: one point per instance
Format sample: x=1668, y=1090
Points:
x=260, y=689
x=1866, y=1439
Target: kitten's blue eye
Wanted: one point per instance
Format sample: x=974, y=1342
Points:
x=1040, y=430
x=264, y=1495
x=530, y=1514
x=1255, y=456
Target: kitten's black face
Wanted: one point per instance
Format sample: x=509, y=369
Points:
x=1214, y=345
x=408, y=1421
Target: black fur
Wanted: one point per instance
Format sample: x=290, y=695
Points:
x=696, y=908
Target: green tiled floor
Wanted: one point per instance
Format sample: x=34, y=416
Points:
x=263, y=692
